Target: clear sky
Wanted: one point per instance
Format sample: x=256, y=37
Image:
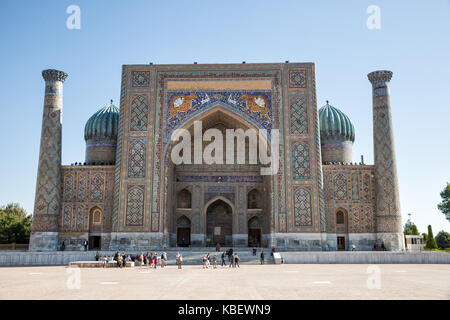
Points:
x=413, y=42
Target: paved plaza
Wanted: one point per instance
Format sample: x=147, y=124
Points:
x=399, y=281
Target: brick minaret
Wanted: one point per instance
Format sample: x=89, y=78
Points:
x=44, y=232
x=388, y=214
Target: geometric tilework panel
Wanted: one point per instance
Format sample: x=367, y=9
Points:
x=299, y=116
x=68, y=187
x=302, y=207
x=139, y=114
x=97, y=187
x=300, y=159
x=136, y=158
x=355, y=187
x=297, y=78
x=135, y=206
x=362, y=220
x=340, y=187
x=366, y=187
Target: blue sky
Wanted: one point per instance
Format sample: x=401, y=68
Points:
x=413, y=42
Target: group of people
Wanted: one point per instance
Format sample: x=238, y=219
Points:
x=150, y=259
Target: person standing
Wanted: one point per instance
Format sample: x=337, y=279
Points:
x=254, y=251
x=85, y=244
x=97, y=256
x=124, y=260
x=353, y=247
x=236, y=260
x=218, y=247
x=232, y=261
x=223, y=259
x=179, y=259
x=163, y=259
x=262, y=257
x=155, y=260
x=119, y=261
x=215, y=261
x=63, y=246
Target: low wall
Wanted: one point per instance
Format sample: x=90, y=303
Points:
x=24, y=258
x=365, y=257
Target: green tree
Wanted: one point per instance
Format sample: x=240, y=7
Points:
x=430, y=243
x=444, y=206
x=410, y=228
x=15, y=224
x=443, y=239
x=425, y=237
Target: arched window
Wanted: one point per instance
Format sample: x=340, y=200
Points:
x=184, y=199
x=253, y=200
x=340, y=217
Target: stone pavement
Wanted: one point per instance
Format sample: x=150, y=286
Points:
x=399, y=281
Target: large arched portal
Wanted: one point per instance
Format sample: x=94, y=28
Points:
x=226, y=220
x=219, y=223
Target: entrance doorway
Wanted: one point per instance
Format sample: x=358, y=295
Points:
x=341, y=243
x=183, y=231
x=95, y=242
x=254, y=232
x=219, y=220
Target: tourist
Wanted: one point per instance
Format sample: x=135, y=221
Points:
x=236, y=260
x=183, y=242
x=204, y=262
x=155, y=260
x=262, y=257
x=163, y=259
x=383, y=247
x=232, y=262
x=223, y=258
x=215, y=261
x=97, y=256
x=116, y=255
x=85, y=245
x=179, y=259
x=63, y=246
x=273, y=251
x=141, y=259
x=208, y=260
x=218, y=247
x=353, y=247
x=124, y=260
x=104, y=261
x=254, y=251
x=148, y=258
x=119, y=261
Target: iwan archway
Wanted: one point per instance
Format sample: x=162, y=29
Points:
x=219, y=211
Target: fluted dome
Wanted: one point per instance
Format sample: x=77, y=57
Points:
x=100, y=134
x=335, y=125
x=103, y=123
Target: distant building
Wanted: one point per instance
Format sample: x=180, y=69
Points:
x=414, y=243
x=130, y=195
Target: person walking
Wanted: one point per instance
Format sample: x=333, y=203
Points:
x=223, y=259
x=141, y=259
x=179, y=259
x=124, y=260
x=262, y=257
x=163, y=259
x=104, y=261
x=236, y=260
x=215, y=261
x=204, y=262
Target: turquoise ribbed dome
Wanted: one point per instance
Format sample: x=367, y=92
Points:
x=103, y=124
x=335, y=125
